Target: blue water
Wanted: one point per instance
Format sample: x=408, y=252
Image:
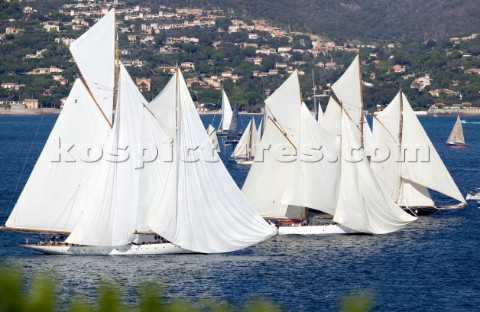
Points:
x=432, y=265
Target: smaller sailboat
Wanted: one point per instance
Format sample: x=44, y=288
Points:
x=226, y=115
x=456, y=137
x=245, y=149
x=233, y=131
x=213, y=136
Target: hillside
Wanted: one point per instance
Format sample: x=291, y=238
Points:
x=384, y=20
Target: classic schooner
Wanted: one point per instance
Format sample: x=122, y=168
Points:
x=456, y=137
x=120, y=176
x=315, y=170
x=406, y=163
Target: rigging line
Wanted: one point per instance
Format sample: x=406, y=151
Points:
x=340, y=103
x=216, y=107
x=384, y=127
x=95, y=100
x=23, y=167
x=281, y=131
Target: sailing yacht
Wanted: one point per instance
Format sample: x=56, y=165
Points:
x=456, y=137
x=119, y=176
x=244, y=152
x=233, y=131
x=406, y=163
x=226, y=115
x=292, y=176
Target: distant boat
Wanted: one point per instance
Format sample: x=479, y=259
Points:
x=456, y=137
x=245, y=150
x=213, y=135
x=233, y=131
x=463, y=121
x=227, y=115
x=474, y=195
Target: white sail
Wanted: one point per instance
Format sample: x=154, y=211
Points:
x=362, y=205
x=260, y=130
x=431, y=171
x=332, y=119
x=269, y=175
x=47, y=201
x=367, y=137
x=213, y=136
x=406, y=170
x=313, y=182
x=387, y=151
x=456, y=136
x=94, y=53
x=227, y=112
x=348, y=90
x=153, y=170
x=283, y=106
x=110, y=211
x=164, y=112
x=320, y=113
x=414, y=195
x=200, y=208
x=248, y=142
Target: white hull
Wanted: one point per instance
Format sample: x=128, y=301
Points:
x=128, y=250
x=244, y=162
x=326, y=229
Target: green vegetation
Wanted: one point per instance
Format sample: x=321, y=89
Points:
x=40, y=295
x=219, y=51
x=404, y=21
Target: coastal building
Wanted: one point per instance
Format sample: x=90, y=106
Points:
x=421, y=82
x=31, y=103
x=397, y=69
x=12, y=86
x=143, y=84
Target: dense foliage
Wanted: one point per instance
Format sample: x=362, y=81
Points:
x=343, y=20
x=219, y=51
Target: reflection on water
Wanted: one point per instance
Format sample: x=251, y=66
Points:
x=431, y=265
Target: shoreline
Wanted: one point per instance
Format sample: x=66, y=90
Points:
x=56, y=111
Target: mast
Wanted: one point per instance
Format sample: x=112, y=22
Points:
x=400, y=128
x=314, y=88
x=252, y=123
x=362, y=114
x=116, y=70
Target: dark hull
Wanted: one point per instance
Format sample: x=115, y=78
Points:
x=456, y=144
x=420, y=211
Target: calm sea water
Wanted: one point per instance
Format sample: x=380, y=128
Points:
x=432, y=265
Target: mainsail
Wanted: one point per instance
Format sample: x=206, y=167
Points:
x=47, y=200
x=226, y=113
x=245, y=148
x=456, y=136
x=405, y=161
x=200, y=208
x=233, y=129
